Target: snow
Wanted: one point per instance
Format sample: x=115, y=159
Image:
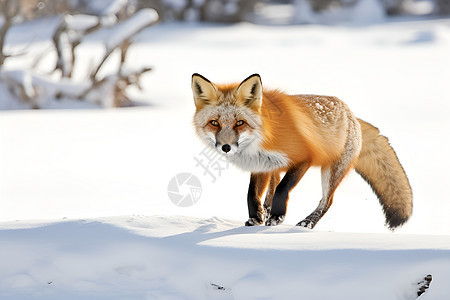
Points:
x=303, y=13
x=81, y=22
x=85, y=211
x=368, y=11
x=131, y=26
x=180, y=257
x=114, y=7
x=41, y=88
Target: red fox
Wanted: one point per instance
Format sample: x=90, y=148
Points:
x=268, y=133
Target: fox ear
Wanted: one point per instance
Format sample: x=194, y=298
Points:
x=203, y=89
x=250, y=90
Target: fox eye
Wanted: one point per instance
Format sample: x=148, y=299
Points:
x=214, y=123
x=240, y=123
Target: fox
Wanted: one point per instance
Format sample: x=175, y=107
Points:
x=277, y=137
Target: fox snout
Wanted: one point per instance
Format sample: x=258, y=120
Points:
x=227, y=148
x=226, y=141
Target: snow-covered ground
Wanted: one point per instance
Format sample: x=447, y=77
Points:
x=68, y=177
x=181, y=257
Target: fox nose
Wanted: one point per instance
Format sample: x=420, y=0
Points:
x=226, y=148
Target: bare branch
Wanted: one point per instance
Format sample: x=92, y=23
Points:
x=95, y=85
x=65, y=40
x=133, y=78
x=9, y=9
x=21, y=86
x=56, y=38
x=127, y=29
x=123, y=51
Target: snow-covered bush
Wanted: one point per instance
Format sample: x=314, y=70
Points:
x=33, y=89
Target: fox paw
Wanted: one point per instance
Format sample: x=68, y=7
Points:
x=306, y=223
x=253, y=222
x=266, y=213
x=274, y=220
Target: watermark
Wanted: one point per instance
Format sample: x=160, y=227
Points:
x=184, y=189
x=212, y=162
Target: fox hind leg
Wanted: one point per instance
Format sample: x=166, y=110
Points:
x=329, y=185
x=331, y=178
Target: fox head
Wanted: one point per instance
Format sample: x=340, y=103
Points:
x=228, y=117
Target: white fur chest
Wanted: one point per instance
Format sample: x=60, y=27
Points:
x=259, y=161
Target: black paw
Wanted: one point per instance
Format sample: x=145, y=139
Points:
x=307, y=224
x=253, y=222
x=274, y=220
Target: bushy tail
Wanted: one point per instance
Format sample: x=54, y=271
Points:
x=379, y=166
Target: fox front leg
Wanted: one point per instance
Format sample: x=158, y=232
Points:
x=281, y=196
x=274, y=181
x=258, y=184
